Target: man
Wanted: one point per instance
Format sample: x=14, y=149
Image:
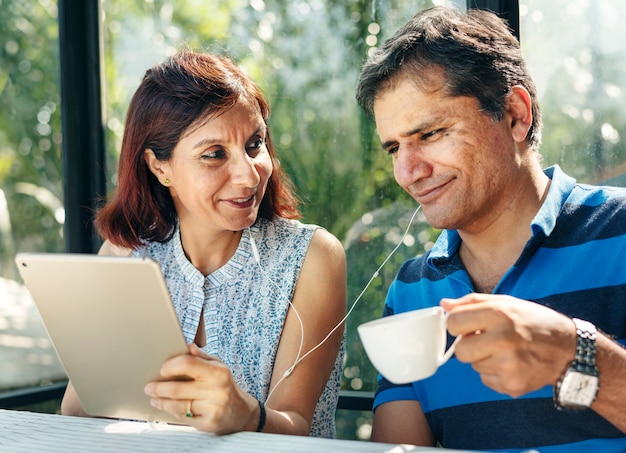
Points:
x=522, y=252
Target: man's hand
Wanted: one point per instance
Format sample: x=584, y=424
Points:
x=517, y=346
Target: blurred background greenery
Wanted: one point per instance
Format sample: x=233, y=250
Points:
x=306, y=56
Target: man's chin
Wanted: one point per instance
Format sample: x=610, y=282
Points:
x=437, y=219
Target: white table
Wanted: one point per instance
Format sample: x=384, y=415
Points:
x=34, y=432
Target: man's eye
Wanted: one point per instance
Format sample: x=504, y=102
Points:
x=431, y=134
x=391, y=150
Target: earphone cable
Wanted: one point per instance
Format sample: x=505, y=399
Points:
x=300, y=358
x=374, y=275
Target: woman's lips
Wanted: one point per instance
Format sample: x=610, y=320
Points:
x=243, y=202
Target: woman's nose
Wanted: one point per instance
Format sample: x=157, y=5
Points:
x=245, y=172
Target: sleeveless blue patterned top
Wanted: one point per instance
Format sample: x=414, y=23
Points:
x=244, y=308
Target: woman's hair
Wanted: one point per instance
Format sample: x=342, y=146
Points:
x=477, y=52
x=179, y=93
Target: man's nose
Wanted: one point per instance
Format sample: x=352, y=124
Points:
x=408, y=166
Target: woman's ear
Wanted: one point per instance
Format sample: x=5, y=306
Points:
x=519, y=109
x=160, y=169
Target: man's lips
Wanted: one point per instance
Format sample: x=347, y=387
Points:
x=428, y=194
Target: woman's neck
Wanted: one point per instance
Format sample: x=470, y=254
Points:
x=209, y=251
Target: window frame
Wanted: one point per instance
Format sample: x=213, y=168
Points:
x=83, y=148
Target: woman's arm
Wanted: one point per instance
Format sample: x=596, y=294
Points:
x=320, y=299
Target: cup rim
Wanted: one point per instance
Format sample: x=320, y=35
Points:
x=419, y=312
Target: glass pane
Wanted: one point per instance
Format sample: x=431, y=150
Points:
x=306, y=55
x=579, y=69
x=31, y=198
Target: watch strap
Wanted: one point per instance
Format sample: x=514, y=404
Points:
x=584, y=362
x=585, y=359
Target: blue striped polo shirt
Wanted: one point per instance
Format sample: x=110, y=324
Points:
x=573, y=263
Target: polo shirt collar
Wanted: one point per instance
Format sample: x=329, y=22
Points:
x=449, y=241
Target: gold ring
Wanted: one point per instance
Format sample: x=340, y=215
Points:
x=189, y=414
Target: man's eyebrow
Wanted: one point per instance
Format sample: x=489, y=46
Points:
x=425, y=126
x=415, y=131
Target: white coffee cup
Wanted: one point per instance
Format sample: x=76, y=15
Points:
x=408, y=346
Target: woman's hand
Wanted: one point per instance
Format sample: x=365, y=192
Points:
x=204, y=386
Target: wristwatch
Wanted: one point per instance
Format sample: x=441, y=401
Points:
x=577, y=388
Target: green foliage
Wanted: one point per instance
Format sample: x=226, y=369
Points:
x=368, y=244
x=30, y=131
x=306, y=56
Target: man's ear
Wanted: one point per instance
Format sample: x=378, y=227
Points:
x=519, y=109
x=157, y=167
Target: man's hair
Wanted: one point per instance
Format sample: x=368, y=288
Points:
x=476, y=51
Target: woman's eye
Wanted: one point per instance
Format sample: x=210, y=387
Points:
x=217, y=154
x=255, y=146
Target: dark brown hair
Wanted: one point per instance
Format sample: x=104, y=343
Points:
x=185, y=89
x=477, y=52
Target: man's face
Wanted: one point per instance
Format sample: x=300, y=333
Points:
x=456, y=161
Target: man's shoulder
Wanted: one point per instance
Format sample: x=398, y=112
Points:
x=415, y=269
x=589, y=205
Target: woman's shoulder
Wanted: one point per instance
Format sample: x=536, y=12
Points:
x=287, y=233
x=281, y=227
x=320, y=241
x=109, y=249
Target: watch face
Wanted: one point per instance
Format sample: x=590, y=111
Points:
x=578, y=389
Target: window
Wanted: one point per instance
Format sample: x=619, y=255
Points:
x=306, y=55
x=578, y=67
x=31, y=195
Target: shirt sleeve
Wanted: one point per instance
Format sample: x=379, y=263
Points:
x=386, y=392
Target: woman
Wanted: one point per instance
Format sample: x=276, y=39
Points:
x=200, y=191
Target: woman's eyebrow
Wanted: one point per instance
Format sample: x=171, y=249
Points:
x=211, y=141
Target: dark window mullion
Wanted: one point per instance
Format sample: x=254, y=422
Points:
x=506, y=9
x=82, y=120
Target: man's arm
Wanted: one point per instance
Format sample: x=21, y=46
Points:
x=401, y=422
x=611, y=400
x=519, y=346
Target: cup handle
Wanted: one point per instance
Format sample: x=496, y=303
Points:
x=446, y=356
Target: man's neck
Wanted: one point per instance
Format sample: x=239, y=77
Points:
x=490, y=252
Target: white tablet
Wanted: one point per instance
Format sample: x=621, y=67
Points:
x=112, y=324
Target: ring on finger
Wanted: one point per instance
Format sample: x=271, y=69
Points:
x=189, y=414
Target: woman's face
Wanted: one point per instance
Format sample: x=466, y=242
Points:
x=219, y=170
